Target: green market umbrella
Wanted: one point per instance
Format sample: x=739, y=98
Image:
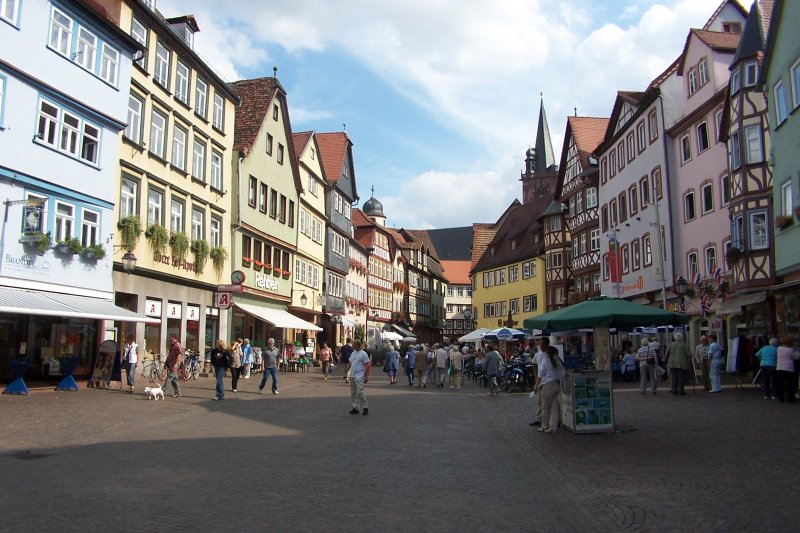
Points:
x=603, y=311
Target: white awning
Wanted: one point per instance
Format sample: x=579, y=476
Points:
x=474, y=336
x=403, y=331
x=28, y=302
x=348, y=322
x=391, y=336
x=734, y=305
x=277, y=317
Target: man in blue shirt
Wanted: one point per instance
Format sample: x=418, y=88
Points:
x=715, y=355
x=408, y=362
x=347, y=349
x=247, y=357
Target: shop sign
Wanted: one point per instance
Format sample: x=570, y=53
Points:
x=193, y=312
x=152, y=308
x=223, y=300
x=266, y=282
x=173, y=310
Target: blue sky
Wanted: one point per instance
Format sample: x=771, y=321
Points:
x=441, y=98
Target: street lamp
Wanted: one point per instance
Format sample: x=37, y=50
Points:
x=680, y=288
x=128, y=262
x=303, y=299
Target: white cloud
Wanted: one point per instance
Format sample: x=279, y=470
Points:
x=475, y=69
x=300, y=114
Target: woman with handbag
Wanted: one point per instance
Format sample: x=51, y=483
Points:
x=647, y=367
x=236, y=363
x=548, y=385
x=131, y=359
x=220, y=358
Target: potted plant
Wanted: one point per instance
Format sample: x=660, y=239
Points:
x=267, y=267
x=69, y=246
x=200, y=249
x=783, y=222
x=93, y=252
x=158, y=236
x=218, y=257
x=276, y=270
x=258, y=265
x=130, y=228
x=179, y=243
x=43, y=243
x=286, y=274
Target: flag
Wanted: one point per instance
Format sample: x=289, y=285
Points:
x=696, y=278
x=705, y=305
x=718, y=274
x=614, y=259
x=684, y=306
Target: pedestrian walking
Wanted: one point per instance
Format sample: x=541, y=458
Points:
x=408, y=364
x=679, y=363
x=392, y=364
x=421, y=366
x=344, y=358
x=357, y=368
x=784, y=371
x=647, y=367
x=130, y=359
x=548, y=385
x=325, y=356
x=715, y=356
x=247, y=358
x=441, y=366
x=270, y=356
x=492, y=366
x=236, y=363
x=174, y=357
x=456, y=368
x=768, y=355
x=220, y=358
x=701, y=356
x=541, y=353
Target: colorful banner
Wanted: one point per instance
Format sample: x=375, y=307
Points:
x=614, y=259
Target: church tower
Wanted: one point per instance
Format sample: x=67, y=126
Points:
x=540, y=177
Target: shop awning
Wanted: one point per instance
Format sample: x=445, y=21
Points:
x=403, y=331
x=391, y=336
x=277, y=317
x=29, y=302
x=734, y=305
x=348, y=322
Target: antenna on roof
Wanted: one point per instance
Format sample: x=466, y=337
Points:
x=344, y=127
x=274, y=72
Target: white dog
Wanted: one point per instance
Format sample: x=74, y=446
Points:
x=154, y=392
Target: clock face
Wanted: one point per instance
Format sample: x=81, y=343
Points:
x=237, y=277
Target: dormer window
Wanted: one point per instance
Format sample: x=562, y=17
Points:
x=732, y=27
x=188, y=37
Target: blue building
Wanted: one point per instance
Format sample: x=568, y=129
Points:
x=64, y=78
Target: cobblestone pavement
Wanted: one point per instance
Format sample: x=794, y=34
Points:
x=423, y=460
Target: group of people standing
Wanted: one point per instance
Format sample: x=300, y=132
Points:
x=423, y=364
x=238, y=357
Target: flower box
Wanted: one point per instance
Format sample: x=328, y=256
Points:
x=277, y=271
x=247, y=261
x=286, y=274
x=258, y=265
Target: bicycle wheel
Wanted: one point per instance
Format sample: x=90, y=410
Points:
x=153, y=374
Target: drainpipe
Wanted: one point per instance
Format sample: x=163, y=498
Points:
x=665, y=182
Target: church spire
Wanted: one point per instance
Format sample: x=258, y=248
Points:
x=544, y=146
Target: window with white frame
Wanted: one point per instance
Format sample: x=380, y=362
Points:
x=64, y=221
x=591, y=197
x=176, y=216
x=67, y=132
x=60, y=32
x=109, y=64
x=795, y=73
x=594, y=240
x=572, y=205
x=555, y=224
x=179, y=135
x=779, y=101
x=652, y=125
x=637, y=255
x=631, y=147
x=725, y=189
x=513, y=275
x=216, y=232
x=621, y=155
x=216, y=170
x=133, y=130
x=702, y=70
x=647, y=251
x=9, y=10
x=86, y=51
x=626, y=259
x=155, y=206
x=758, y=234
x=718, y=125
x=710, y=256
x=262, y=197
x=128, y=193
x=686, y=148
x=182, y=82
x=691, y=264
x=251, y=191
x=199, y=160
x=158, y=127
x=579, y=202
x=750, y=73
x=644, y=192
x=641, y=136
x=702, y=137
x=737, y=232
x=90, y=227
x=734, y=151
x=139, y=34
x=530, y=303
x=787, y=201
x=280, y=154
x=752, y=144
x=198, y=223
x=633, y=200
x=219, y=111
x=707, y=192
x=161, y=74
x=692, y=82
x=734, y=80
x=200, y=97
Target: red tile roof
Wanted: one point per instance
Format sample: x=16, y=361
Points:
x=300, y=141
x=457, y=272
x=332, y=153
x=482, y=235
x=716, y=40
x=257, y=96
x=422, y=236
x=359, y=219
x=589, y=133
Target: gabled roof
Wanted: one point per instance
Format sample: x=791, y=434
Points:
x=257, y=95
x=716, y=40
x=719, y=9
x=482, y=235
x=422, y=236
x=519, y=236
x=772, y=34
x=359, y=219
x=300, y=141
x=457, y=272
x=452, y=243
x=588, y=133
x=754, y=35
x=333, y=153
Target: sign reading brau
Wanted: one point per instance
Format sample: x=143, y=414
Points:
x=266, y=282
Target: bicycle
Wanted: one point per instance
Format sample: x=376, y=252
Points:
x=156, y=372
x=189, y=367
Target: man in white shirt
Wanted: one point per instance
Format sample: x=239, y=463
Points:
x=541, y=353
x=357, y=366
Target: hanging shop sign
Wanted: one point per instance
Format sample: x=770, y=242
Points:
x=193, y=312
x=152, y=308
x=173, y=310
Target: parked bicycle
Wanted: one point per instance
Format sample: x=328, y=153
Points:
x=189, y=367
x=517, y=375
x=154, y=369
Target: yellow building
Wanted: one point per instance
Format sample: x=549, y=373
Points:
x=508, y=279
x=174, y=183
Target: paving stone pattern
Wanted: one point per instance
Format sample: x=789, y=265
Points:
x=423, y=460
